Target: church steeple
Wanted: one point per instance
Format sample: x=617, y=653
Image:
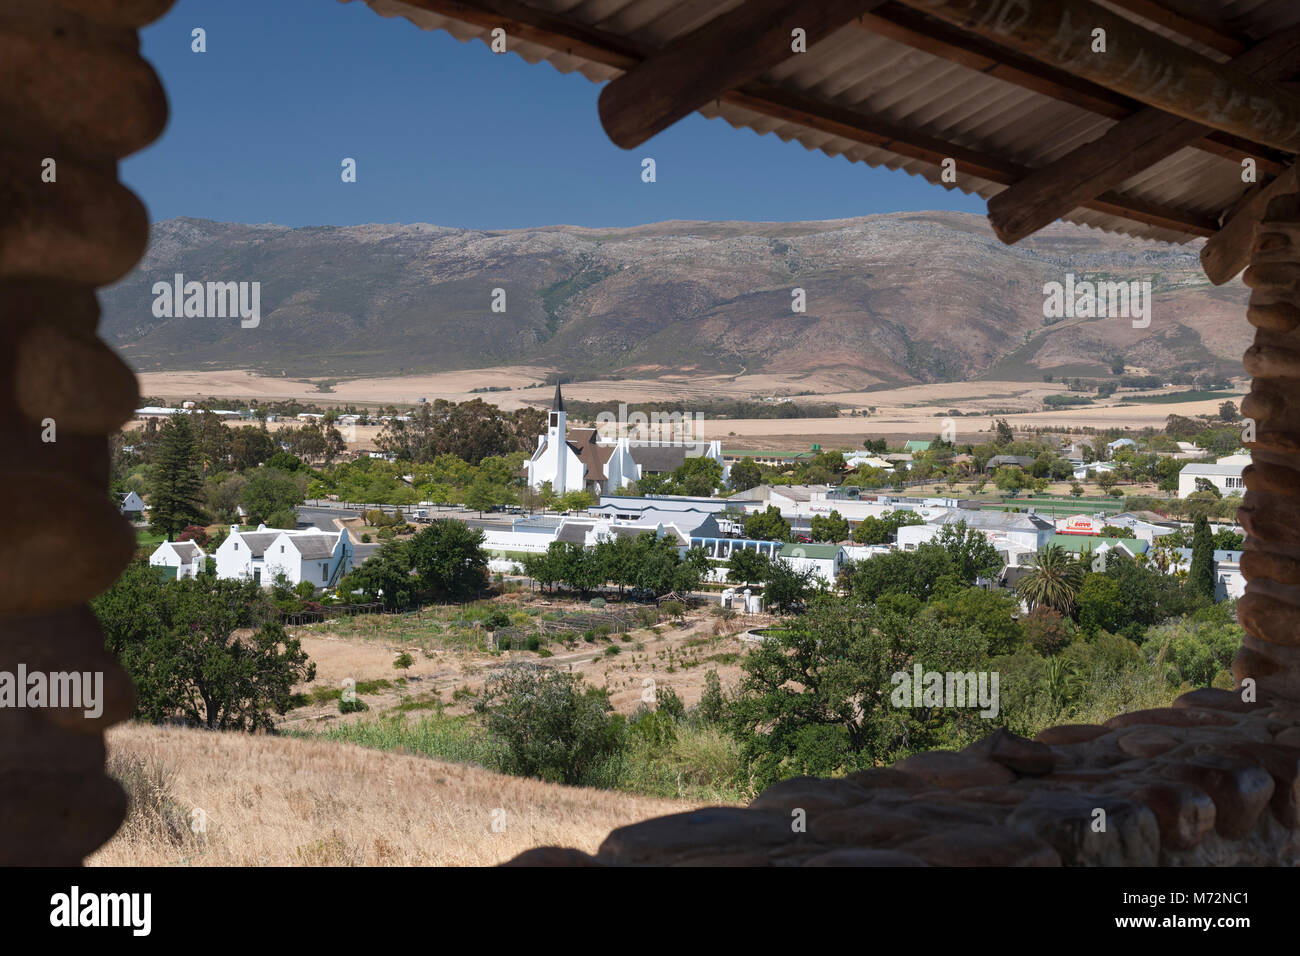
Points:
x=557, y=403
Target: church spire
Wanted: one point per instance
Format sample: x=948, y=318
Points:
x=557, y=403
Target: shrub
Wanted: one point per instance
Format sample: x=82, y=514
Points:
x=712, y=705
x=353, y=706
x=549, y=725
x=1045, y=631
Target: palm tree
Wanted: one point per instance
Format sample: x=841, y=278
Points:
x=1053, y=580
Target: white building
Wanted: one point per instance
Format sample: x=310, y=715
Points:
x=1097, y=468
x=1225, y=475
x=185, y=556
x=1016, y=535
x=580, y=460
x=131, y=505
x=311, y=555
x=824, y=560
x=1229, y=582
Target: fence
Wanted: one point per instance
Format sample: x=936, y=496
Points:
x=330, y=612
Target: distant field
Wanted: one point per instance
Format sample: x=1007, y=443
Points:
x=898, y=412
x=1191, y=395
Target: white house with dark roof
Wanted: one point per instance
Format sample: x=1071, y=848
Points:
x=1016, y=535
x=1229, y=582
x=185, y=556
x=580, y=460
x=320, y=557
x=131, y=505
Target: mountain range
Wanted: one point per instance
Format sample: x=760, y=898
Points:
x=890, y=298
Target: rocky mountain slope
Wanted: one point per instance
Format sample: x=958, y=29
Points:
x=903, y=297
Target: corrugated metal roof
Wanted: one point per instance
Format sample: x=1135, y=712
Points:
x=856, y=69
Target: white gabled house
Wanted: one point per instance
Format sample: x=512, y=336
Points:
x=130, y=504
x=311, y=555
x=185, y=556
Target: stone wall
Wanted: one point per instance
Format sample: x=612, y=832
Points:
x=1209, y=781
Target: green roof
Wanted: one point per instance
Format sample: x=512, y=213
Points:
x=917, y=445
x=1090, y=542
x=818, y=552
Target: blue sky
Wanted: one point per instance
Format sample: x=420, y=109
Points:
x=447, y=133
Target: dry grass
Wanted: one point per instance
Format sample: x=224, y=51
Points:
x=276, y=801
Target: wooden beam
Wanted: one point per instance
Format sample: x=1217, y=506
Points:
x=1127, y=148
x=904, y=25
x=723, y=54
x=872, y=130
x=1228, y=251
x=1209, y=35
x=562, y=33
x=1138, y=63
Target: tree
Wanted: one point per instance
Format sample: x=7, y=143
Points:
x=815, y=698
x=576, y=501
x=1076, y=489
x=788, y=588
x=767, y=525
x=1009, y=478
x=449, y=559
x=385, y=577
x=1099, y=605
x=224, y=497
x=176, y=488
x=832, y=527
x=747, y=566
x=713, y=706
x=1053, y=580
x=1045, y=631
x=883, y=530
x=1200, y=577
x=919, y=574
x=745, y=475
x=270, y=496
x=1228, y=412
x=209, y=650
x=548, y=725
x=992, y=611
x=1003, y=435
x=480, y=496
x=973, y=556
x=699, y=476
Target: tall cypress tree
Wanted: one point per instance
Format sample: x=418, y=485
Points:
x=175, y=487
x=1201, y=575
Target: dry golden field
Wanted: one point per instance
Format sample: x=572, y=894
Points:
x=905, y=411
x=282, y=801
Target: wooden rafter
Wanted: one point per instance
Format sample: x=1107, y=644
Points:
x=561, y=33
x=912, y=28
x=724, y=54
x=1127, y=148
x=876, y=131
x=1228, y=251
x=1138, y=63
x=1210, y=35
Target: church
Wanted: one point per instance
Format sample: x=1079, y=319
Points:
x=580, y=460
